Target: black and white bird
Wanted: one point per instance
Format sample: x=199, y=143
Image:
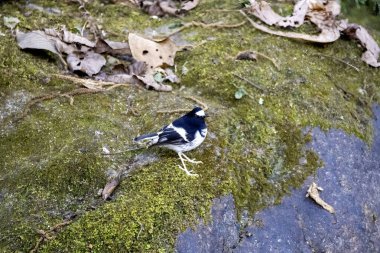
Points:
x=182, y=135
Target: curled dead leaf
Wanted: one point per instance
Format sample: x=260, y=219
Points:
x=313, y=192
x=359, y=33
x=324, y=15
x=110, y=187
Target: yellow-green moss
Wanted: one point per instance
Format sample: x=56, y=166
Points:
x=52, y=159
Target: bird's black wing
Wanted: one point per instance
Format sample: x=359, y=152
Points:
x=168, y=135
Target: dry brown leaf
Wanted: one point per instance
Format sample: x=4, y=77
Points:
x=357, y=32
x=150, y=83
x=160, y=8
x=154, y=54
x=313, y=192
x=168, y=7
x=110, y=187
x=264, y=12
x=89, y=63
x=36, y=40
x=323, y=14
x=189, y=5
x=323, y=37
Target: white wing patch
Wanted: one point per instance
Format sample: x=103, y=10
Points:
x=180, y=131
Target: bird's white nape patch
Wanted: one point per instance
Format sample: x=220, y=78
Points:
x=200, y=113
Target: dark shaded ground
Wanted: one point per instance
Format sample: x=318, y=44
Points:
x=350, y=178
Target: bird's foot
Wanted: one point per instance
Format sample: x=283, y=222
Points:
x=189, y=173
x=191, y=160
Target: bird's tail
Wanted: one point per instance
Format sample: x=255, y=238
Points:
x=149, y=139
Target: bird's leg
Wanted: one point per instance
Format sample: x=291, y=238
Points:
x=184, y=166
x=191, y=160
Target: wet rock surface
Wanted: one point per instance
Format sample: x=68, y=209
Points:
x=350, y=178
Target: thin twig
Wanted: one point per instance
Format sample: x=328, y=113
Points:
x=89, y=83
x=221, y=10
x=202, y=104
x=141, y=229
x=174, y=111
x=124, y=151
x=337, y=59
x=70, y=94
x=250, y=82
x=268, y=58
x=203, y=25
x=196, y=100
x=48, y=235
x=83, y=28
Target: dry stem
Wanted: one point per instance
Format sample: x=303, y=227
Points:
x=196, y=100
x=70, y=94
x=48, y=235
x=339, y=60
x=250, y=82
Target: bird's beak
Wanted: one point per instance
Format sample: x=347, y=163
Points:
x=206, y=116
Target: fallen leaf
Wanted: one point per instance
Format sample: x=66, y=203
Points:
x=264, y=12
x=150, y=83
x=313, y=192
x=110, y=187
x=89, y=63
x=324, y=15
x=11, y=22
x=70, y=37
x=188, y=5
x=160, y=8
x=357, y=32
x=36, y=40
x=154, y=54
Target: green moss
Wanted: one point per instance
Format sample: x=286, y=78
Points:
x=52, y=159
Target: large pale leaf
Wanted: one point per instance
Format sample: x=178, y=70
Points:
x=36, y=40
x=154, y=54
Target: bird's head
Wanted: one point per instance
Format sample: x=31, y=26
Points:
x=197, y=112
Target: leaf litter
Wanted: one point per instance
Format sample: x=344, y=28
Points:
x=324, y=15
x=135, y=62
